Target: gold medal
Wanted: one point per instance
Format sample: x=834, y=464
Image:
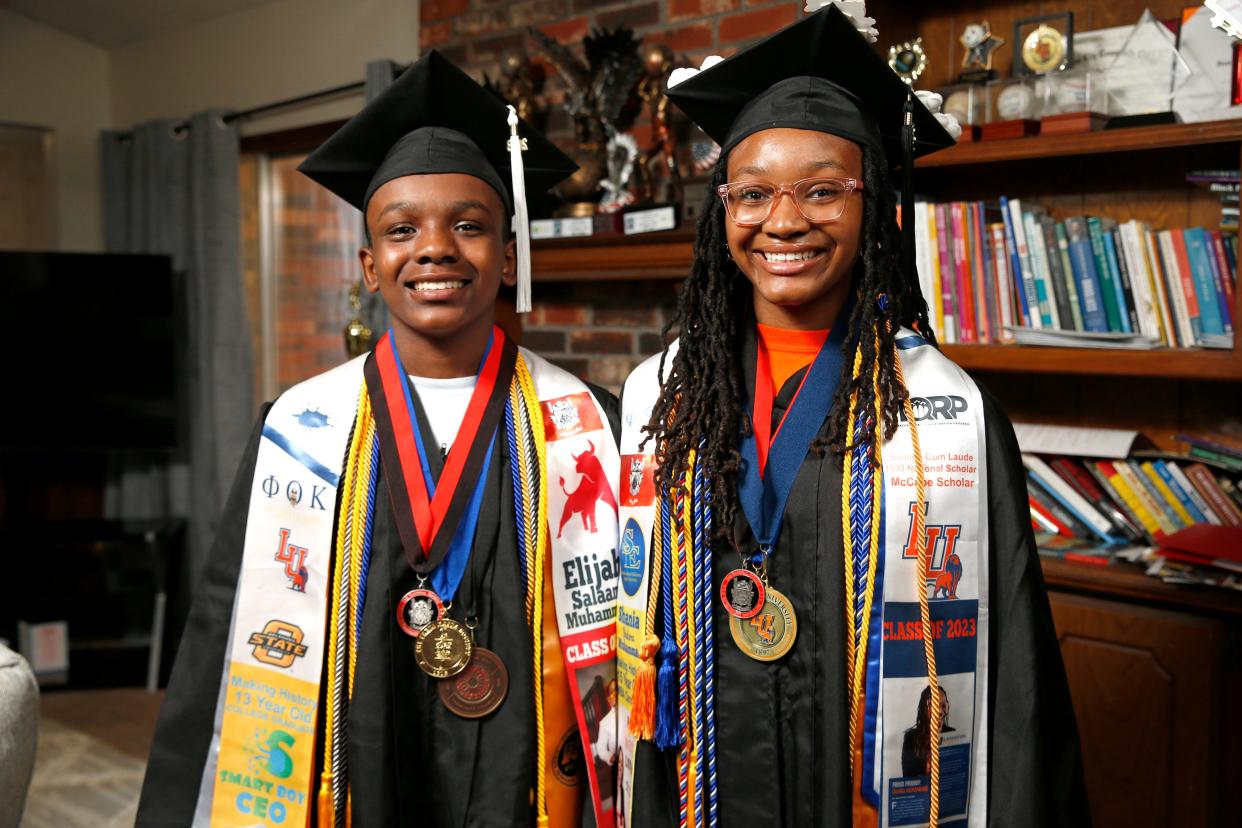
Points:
x=477, y=690
x=443, y=648
x=767, y=635
x=1043, y=50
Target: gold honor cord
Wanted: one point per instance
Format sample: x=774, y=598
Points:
x=920, y=535
x=351, y=539
x=536, y=553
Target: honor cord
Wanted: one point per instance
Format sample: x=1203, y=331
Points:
x=929, y=652
x=534, y=595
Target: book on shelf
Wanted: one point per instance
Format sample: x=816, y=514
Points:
x=1011, y=272
x=1098, y=492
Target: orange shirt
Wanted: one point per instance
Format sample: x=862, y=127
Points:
x=789, y=351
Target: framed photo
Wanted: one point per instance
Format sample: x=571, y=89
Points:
x=1043, y=44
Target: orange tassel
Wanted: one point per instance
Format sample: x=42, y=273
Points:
x=642, y=711
x=327, y=815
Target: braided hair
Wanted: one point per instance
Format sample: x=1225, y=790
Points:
x=702, y=403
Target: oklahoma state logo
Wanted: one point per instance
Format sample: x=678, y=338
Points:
x=280, y=644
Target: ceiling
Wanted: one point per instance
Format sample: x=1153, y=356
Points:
x=112, y=23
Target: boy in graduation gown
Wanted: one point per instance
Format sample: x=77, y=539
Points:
x=812, y=469
x=387, y=632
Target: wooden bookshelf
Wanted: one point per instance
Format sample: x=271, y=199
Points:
x=668, y=255
x=1103, y=142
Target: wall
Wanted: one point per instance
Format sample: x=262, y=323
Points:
x=260, y=55
x=54, y=80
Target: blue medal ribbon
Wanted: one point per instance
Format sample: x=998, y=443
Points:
x=763, y=495
x=446, y=578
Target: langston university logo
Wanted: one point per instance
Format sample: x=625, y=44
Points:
x=944, y=566
x=279, y=644
x=294, y=559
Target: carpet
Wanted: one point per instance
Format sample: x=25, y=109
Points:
x=81, y=782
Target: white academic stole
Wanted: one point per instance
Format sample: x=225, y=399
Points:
x=949, y=414
x=259, y=766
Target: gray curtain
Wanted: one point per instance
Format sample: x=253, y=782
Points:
x=172, y=187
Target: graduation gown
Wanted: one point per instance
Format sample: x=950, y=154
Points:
x=782, y=729
x=411, y=761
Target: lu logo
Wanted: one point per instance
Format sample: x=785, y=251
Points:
x=764, y=626
x=944, y=566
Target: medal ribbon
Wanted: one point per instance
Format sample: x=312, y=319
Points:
x=423, y=506
x=763, y=495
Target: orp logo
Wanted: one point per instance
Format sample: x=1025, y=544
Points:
x=944, y=407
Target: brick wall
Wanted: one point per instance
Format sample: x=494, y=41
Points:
x=598, y=331
x=474, y=33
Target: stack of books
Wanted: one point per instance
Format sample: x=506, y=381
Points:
x=1086, y=509
x=1009, y=272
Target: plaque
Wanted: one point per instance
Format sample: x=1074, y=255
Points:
x=477, y=690
x=443, y=649
x=770, y=633
x=1044, y=44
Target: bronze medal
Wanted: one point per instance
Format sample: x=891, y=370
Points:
x=741, y=592
x=417, y=610
x=443, y=648
x=770, y=633
x=477, y=690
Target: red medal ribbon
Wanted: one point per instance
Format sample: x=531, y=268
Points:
x=395, y=410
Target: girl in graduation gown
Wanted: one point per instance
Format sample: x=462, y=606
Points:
x=399, y=755
x=769, y=743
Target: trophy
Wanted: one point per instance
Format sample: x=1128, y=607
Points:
x=600, y=98
x=908, y=60
x=981, y=46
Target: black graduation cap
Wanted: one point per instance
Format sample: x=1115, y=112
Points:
x=434, y=118
x=819, y=73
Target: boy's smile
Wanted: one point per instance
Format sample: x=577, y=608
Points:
x=438, y=256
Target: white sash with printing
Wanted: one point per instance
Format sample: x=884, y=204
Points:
x=258, y=770
x=949, y=412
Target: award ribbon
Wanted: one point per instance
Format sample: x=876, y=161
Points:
x=423, y=506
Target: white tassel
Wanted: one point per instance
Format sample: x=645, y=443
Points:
x=521, y=217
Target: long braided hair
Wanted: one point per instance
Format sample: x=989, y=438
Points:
x=702, y=403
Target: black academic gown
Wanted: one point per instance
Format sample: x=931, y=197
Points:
x=782, y=743
x=411, y=762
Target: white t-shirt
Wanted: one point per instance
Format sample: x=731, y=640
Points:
x=445, y=401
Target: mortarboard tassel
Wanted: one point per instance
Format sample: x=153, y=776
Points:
x=909, y=271
x=521, y=216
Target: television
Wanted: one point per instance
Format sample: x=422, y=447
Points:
x=95, y=359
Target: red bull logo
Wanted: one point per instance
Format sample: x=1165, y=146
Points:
x=592, y=488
